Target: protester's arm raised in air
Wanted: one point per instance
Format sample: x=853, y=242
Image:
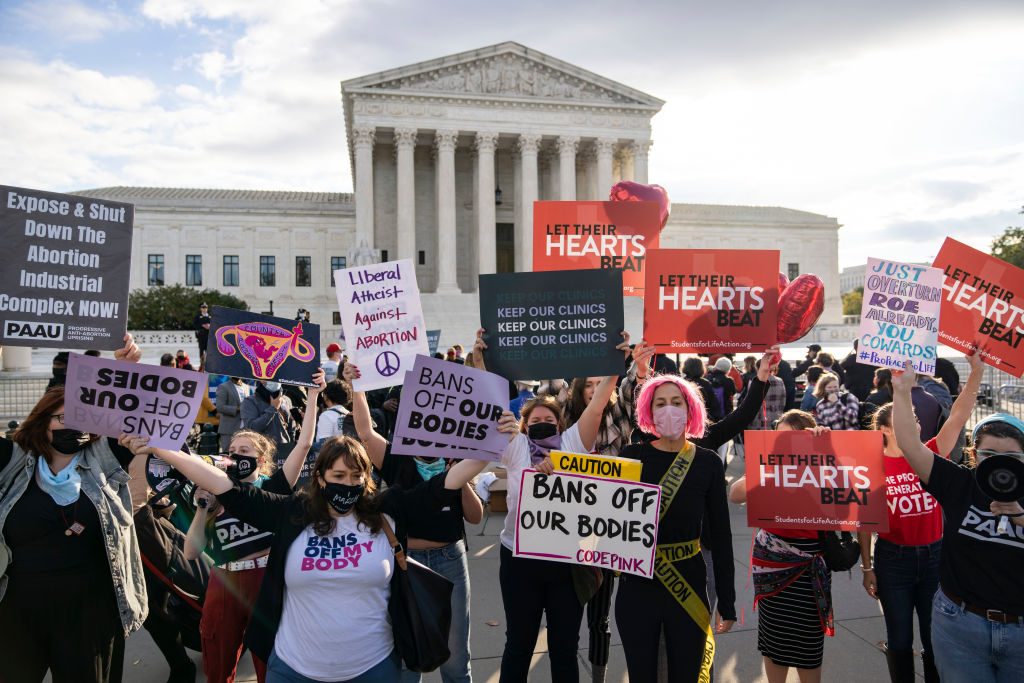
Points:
x=735, y=422
x=962, y=408
x=461, y=473
x=905, y=426
x=292, y=467
x=195, y=539
x=375, y=444
x=590, y=421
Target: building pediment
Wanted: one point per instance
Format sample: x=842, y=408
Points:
x=507, y=70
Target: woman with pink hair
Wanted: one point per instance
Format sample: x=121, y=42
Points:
x=692, y=481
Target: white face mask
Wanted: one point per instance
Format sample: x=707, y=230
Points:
x=272, y=387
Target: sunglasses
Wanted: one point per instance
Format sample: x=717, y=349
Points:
x=987, y=453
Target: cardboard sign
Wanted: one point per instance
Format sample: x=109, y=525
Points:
x=433, y=339
x=711, y=300
x=67, y=263
x=835, y=481
x=585, y=235
x=382, y=317
x=111, y=397
x=982, y=306
x=597, y=465
x=558, y=324
x=451, y=404
x=262, y=347
x=606, y=523
x=899, y=318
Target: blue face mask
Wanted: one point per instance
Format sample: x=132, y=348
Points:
x=429, y=470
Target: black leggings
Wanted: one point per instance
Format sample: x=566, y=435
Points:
x=643, y=609
x=531, y=589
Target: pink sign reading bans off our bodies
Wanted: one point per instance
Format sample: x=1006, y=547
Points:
x=111, y=397
x=451, y=410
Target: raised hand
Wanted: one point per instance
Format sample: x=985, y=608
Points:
x=129, y=352
x=904, y=381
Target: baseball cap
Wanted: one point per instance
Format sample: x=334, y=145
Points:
x=814, y=347
x=333, y=348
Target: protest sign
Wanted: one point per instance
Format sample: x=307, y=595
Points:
x=382, y=317
x=982, y=306
x=835, y=481
x=605, y=467
x=558, y=324
x=68, y=260
x=606, y=523
x=711, y=300
x=111, y=397
x=899, y=317
x=262, y=347
x=454, y=405
x=433, y=339
x=584, y=235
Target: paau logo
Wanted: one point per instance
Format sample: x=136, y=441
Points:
x=18, y=329
x=265, y=346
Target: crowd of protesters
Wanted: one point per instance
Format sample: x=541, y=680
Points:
x=88, y=555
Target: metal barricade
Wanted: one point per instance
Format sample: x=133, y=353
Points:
x=19, y=393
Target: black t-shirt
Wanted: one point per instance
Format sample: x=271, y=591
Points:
x=702, y=492
x=444, y=525
x=229, y=539
x=979, y=565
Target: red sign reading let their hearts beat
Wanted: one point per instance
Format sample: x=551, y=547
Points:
x=982, y=306
x=711, y=300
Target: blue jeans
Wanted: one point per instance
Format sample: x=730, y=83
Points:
x=385, y=671
x=450, y=562
x=971, y=649
x=908, y=576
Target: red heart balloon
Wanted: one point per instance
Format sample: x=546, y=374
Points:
x=800, y=306
x=783, y=283
x=628, y=191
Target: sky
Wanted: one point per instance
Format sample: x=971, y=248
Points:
x=903, y=120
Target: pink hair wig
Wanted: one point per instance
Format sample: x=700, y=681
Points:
x=697, y=415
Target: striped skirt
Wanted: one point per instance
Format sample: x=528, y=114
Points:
x=789, y=627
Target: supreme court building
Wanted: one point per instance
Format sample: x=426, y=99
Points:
x=447, y=157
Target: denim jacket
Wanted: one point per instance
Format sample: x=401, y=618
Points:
x=105, y=484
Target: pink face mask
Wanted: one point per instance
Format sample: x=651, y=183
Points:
x=670, y=421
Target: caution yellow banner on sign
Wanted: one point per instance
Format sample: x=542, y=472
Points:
x=597, y=465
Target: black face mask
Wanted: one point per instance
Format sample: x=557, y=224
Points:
x=243, y=466
x=68, y=441
x=342, y=497
x=60, y=373
x=539, y=431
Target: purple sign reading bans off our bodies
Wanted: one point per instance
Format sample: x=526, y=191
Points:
x=451, y=411
x=111, y=397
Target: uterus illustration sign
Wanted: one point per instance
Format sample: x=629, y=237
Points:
x=261, y=347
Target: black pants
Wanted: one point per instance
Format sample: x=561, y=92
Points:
x=66, y=623
x=599, y=611
x=531, y=589
x=167, y=636
x=643, y=609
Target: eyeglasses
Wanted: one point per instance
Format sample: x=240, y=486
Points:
x=59, y=417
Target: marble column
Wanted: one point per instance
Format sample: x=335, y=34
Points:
x=528, y=145
x=549, y=172
x=447, y=281
x=567, y=145
x=626, y=162
x=640, y=149
x=486, y=222
x=405, y=149
x=586, y=171
x=605, y=148
x=362, y=142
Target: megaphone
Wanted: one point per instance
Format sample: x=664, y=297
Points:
x=1001, y=478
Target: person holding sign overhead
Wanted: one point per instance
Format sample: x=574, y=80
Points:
x=239, y=549
x=71, y=579
x=977, y=628
x=675, y=602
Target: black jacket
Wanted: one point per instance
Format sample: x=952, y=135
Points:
x=283, y=514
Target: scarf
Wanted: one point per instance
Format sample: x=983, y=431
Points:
x=540, y=449
x=776, y=564
x=65, y=486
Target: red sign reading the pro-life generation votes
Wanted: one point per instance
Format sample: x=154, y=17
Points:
x=796, y=480
x=711, y=300
x=982, y=306
x=587, y=235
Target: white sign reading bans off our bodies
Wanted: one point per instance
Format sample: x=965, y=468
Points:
x=607, y=523
x=382, y=317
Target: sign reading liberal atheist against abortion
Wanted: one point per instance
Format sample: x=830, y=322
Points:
x=982, y=306
x=67, y=263
x=711, y=300
x=596, y=235
x=559, y=324
x=262, y=347
x=899, y=318
x=111, y=397
x=452, y=410
x=835, y=481
x=382, y=316
x=591, y=521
